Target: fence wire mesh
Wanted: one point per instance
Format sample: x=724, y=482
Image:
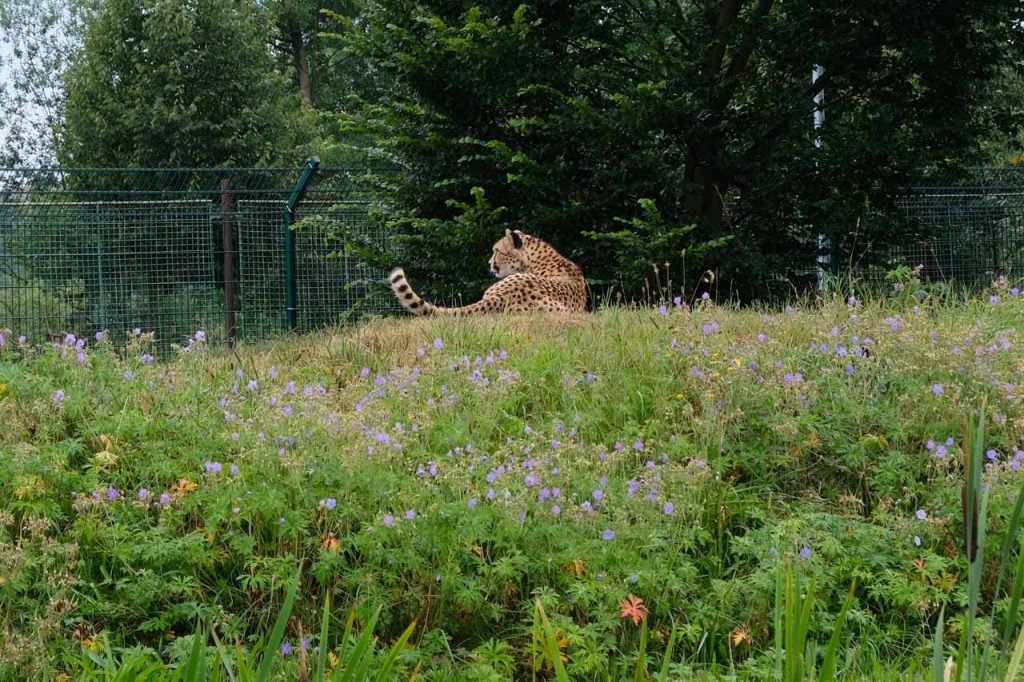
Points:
x=974, y=227
x=176, y=250
x=173, y=251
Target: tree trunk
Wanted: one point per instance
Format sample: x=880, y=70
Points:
x=300, y=61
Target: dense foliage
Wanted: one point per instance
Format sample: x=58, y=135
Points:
x=568, y=114
x=176, y=83
x=454, y=472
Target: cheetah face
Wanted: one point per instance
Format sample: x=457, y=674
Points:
x=509, y=256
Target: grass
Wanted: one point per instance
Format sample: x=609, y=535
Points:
x=479, y=499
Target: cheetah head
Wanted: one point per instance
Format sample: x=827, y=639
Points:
x=509, y=255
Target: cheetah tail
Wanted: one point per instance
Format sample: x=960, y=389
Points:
x=408, y=298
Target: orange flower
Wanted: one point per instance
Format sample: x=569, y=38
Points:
x=633, y=607
x=330, y=543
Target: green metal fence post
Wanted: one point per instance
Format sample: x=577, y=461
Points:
x=290, y=288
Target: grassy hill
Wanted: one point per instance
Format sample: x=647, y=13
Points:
x=456, y=473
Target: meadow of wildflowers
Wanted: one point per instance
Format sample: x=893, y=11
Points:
x=625, y=466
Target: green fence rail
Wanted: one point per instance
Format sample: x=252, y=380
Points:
x=173, y=251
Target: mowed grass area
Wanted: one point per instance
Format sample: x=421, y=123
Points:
x=457, y=472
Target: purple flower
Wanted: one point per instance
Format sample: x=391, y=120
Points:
x=58, y=396
x=286, y=649
x=389, y=520
x=200, y=336
x=472, y=502
x=805, y=552
x=921, y=514
x=917, y=540
x=438, y=343
x=112, y=493
x=598, y=495
x=128, y=374
x=938, y=389
x=668, y=508
x=143, y=494
x=212, y=467
x=329, y=504
x=100, y=336
x=410, y=514
x=146, y=358
x=233, y=469
x=710, y=328
x=165, y=499
x=705, y=296
x=663, y=309
x=608, y=534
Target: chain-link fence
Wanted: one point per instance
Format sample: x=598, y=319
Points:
x=173, y=251
x=974, y=227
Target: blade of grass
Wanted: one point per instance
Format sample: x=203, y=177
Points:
x=550, y=643
x=392, y=655
x=641, y=662
x=195, y=668
x=669, y=648
x=277, y=634
x=1009, y=624
x=938, y=657
x=1013, y=669
x=828, y=662
x=358, y=660
x=779, y=606
x=321, y=657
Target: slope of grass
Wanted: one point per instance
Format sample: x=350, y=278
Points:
x=459, y=473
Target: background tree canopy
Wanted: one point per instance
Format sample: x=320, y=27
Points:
x=176, y=83
x=568, y=114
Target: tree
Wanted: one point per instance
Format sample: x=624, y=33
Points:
x=178, y=83
x=569, y=115
x=39, y=39
x=317, y=67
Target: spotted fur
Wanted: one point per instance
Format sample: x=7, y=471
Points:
x=532, y=276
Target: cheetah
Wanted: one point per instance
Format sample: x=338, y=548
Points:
x=533, y=277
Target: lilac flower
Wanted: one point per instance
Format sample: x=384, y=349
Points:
x=938, y=389
x=438, y=343
x=1015, y=292
x=165, y=499
x=129, y=375
x=762, y=337
x=608, y=535
x=472, y=502
x=668, y=508
x=112, y=493
x=805, y=552
x=143, y=494
x=556, y=509
x=58, y=396
x=677, y=301
x=993, y=299
x=710, y=328
x=286, y=649
x=917, y=540
x=921, y=514
x=389, y=520
x=80, y=357
x=410, y=514
x=212, y=467
x=663, y=309
x=100, y=335
x=329, y=503
x=146, y=359
x=638, y=445
x=200, y=336
x=598, y=495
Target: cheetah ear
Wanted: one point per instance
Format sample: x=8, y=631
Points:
x=517, y=238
